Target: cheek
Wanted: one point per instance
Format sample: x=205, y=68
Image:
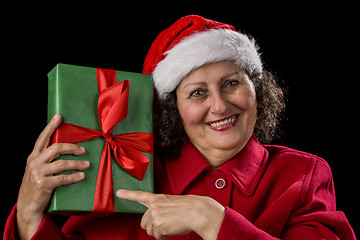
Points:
x=246, y=100
x=251, y=103
x=191, y=114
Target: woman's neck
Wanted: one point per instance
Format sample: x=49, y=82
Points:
x=217, y=157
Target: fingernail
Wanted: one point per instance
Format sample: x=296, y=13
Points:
x=86, y=163
x=81, y=175
x=119, y=193
x=55, y=116
x=82, y=149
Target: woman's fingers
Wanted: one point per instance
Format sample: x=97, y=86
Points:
x=59, y=166
x=39, y=180
x=145, y=198
x=64, y=179
x=56, y=149
x=177, y=215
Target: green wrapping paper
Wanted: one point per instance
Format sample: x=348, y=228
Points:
x=73, y=92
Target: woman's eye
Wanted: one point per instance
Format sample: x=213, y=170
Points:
x=232, y=83
x=197, y=93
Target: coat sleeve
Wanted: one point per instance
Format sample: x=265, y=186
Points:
x=236, y=226
x=47, y=229
x=316, y=217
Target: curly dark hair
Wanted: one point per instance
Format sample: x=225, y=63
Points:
x=170, y=133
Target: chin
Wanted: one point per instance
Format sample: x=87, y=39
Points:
x=226, y=143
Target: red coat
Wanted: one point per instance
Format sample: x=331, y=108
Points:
x=269, y=192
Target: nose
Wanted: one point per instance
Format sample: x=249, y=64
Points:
x=218, y=103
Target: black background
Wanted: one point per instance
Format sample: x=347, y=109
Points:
x=311, y=48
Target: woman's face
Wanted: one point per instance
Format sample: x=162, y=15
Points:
x=217, y=103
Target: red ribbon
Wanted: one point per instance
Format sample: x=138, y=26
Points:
x=112, y=109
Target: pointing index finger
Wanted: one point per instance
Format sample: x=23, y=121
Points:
x=145, y=198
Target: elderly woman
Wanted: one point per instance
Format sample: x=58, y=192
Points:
x=215, y=180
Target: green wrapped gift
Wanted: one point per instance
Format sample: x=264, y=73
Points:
x=109, y=113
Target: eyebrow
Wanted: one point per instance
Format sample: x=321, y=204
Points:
x=195, y=83
x=204, y=83
x=229, y=75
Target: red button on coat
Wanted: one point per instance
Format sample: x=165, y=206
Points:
x=220, y=183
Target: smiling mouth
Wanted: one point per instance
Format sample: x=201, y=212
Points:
x=223, y=122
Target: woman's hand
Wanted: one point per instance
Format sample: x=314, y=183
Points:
x=169, y=215
x=39, y=180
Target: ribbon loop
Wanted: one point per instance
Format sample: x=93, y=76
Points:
x=105, y=78
x=113, y=105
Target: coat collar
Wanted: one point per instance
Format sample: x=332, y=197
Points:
x=244, y=170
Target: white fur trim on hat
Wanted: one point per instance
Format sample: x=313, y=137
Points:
x=202, y=48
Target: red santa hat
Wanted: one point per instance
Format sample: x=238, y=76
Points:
x=192, y=42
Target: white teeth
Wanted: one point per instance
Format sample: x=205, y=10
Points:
x=224, y=122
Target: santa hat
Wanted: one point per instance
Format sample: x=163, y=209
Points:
x=192, y=42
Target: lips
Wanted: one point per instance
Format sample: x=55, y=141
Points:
x=223, y=124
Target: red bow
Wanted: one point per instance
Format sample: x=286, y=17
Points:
x=112, y=109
